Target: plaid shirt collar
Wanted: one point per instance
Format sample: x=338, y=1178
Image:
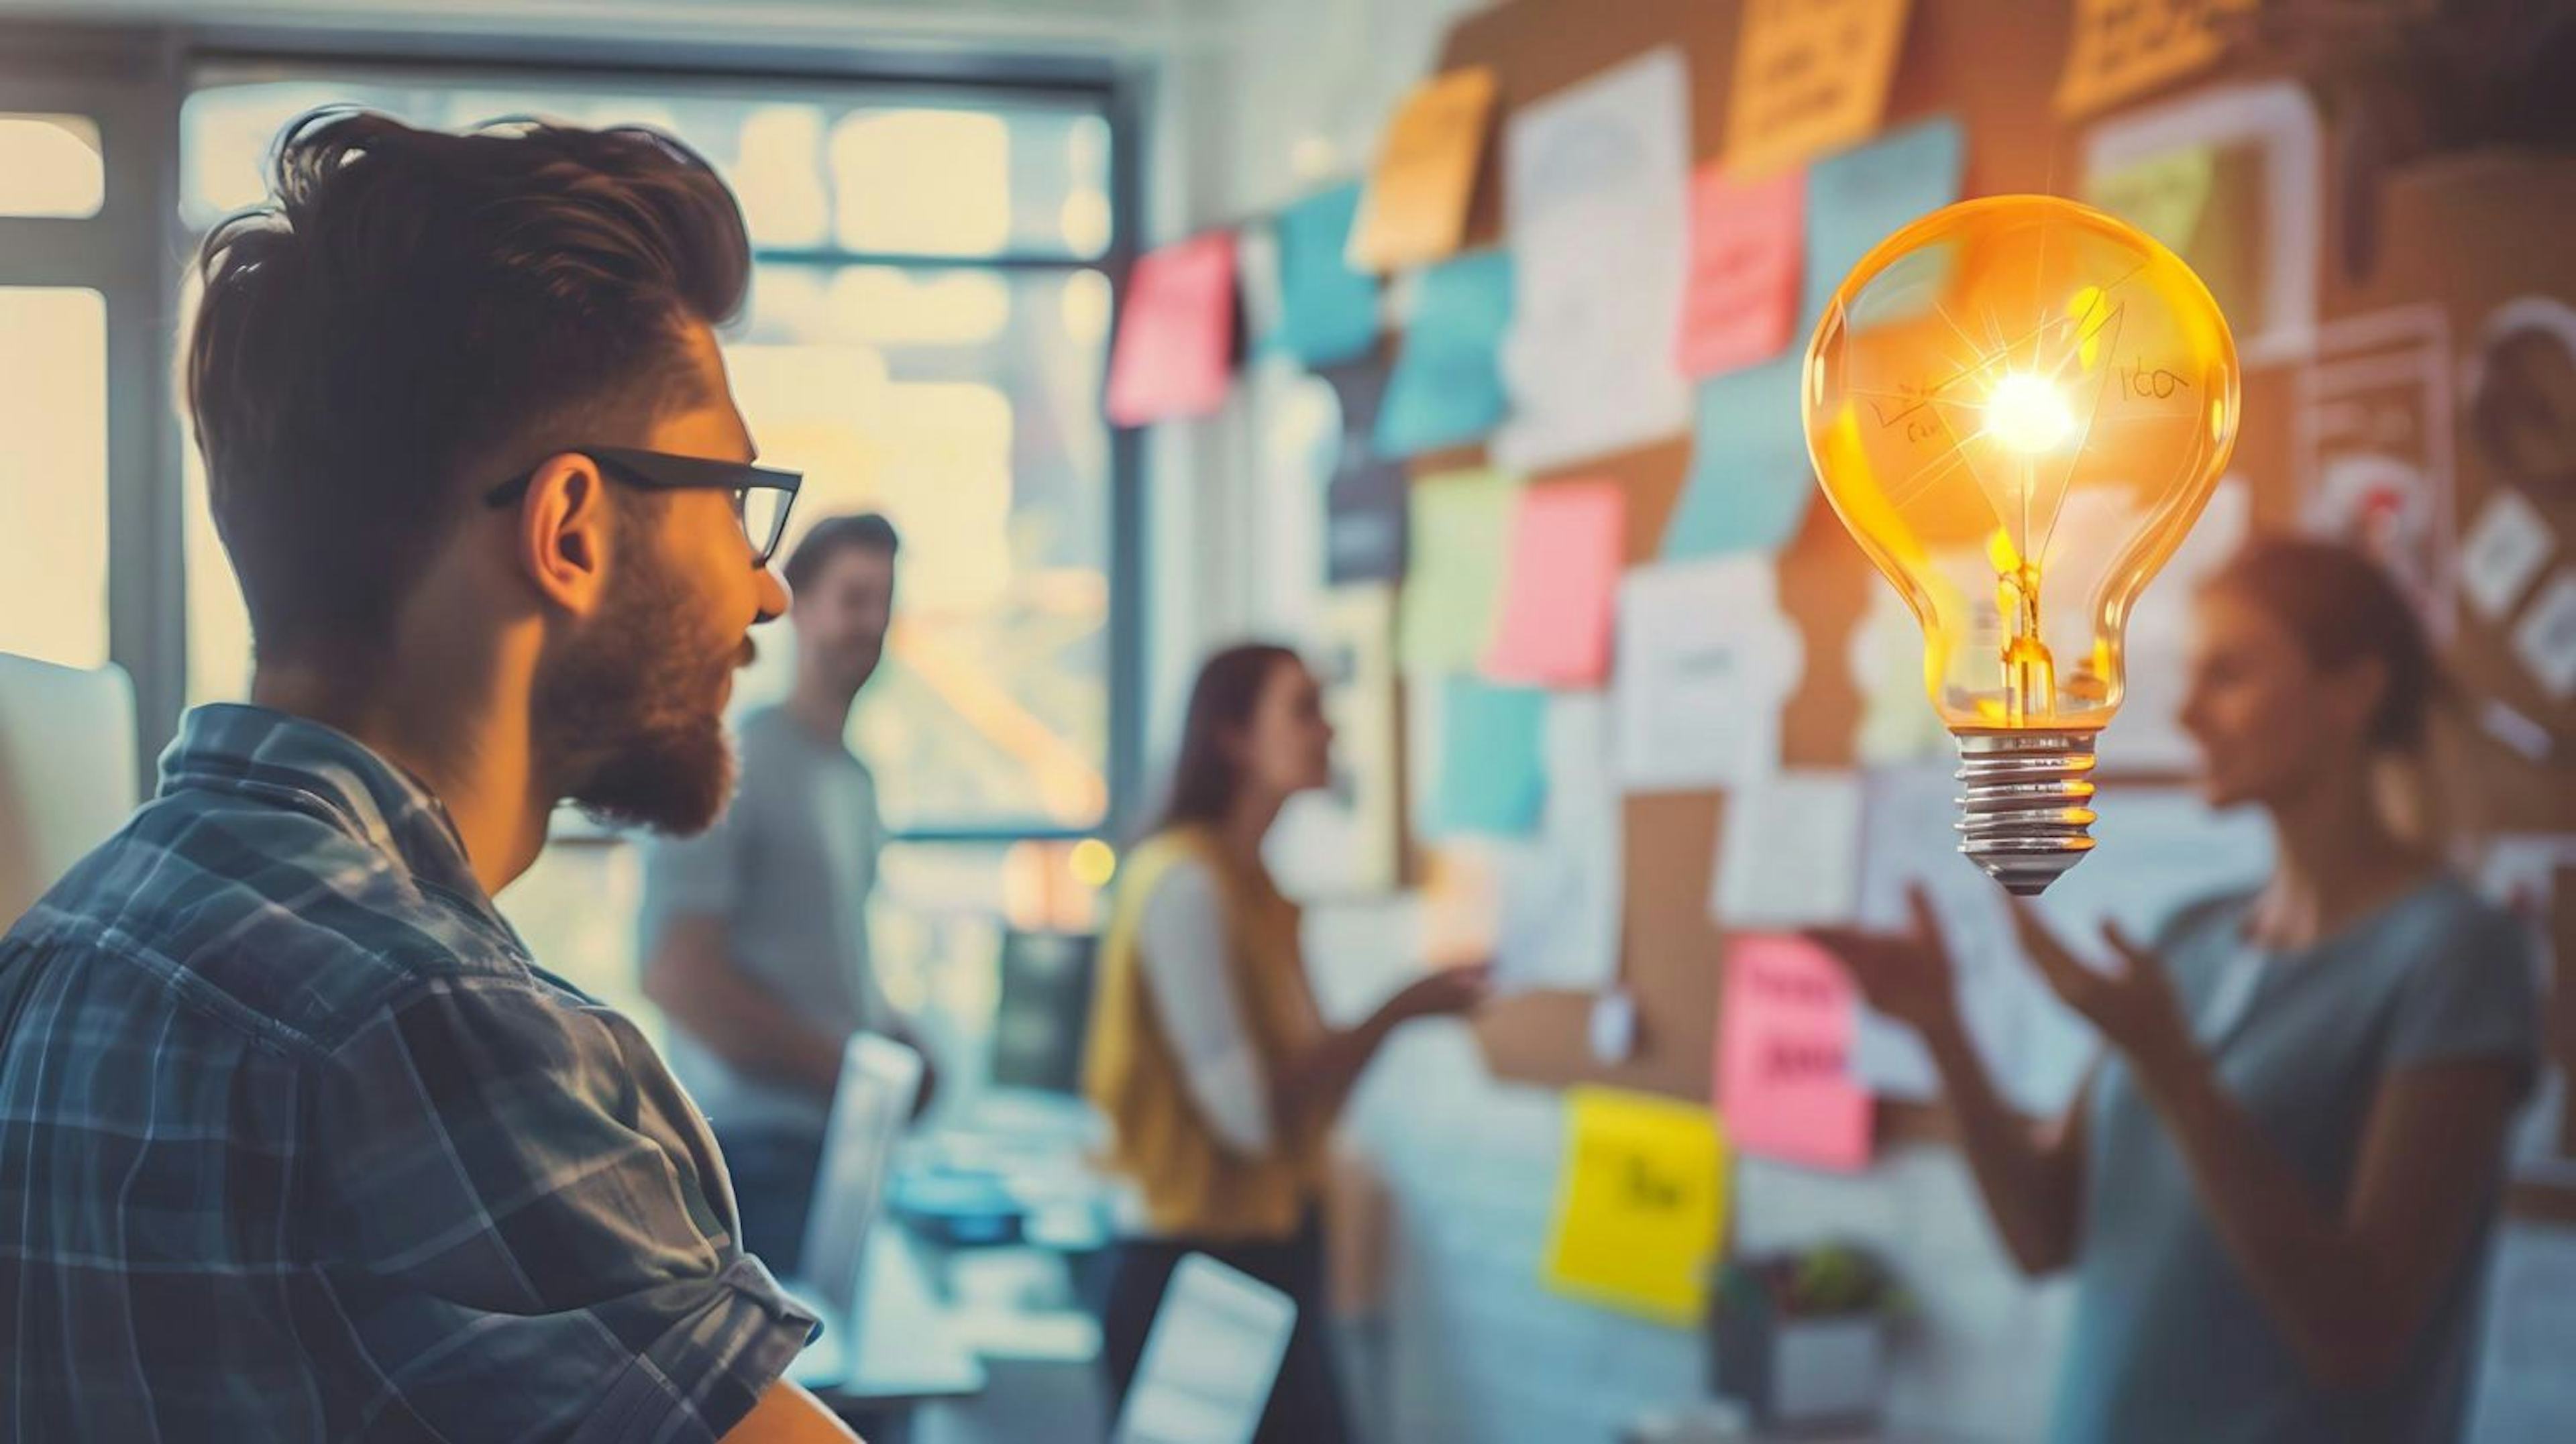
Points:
x=289, y=761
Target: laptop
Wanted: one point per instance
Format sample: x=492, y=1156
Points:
x=880, y=1078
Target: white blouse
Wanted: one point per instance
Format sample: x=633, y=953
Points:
x=1191, y=979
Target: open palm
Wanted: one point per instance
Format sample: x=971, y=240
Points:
x=1906, y=975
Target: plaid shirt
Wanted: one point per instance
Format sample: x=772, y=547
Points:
x=296, y=1143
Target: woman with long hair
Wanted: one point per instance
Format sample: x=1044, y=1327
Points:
x=2278, y=1186
x=1219, y=1080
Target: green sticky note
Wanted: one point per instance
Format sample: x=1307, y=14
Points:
x=1459, y=537
x=2163, y=195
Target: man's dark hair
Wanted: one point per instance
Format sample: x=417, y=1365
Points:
x=865, y=531
x=412, y=314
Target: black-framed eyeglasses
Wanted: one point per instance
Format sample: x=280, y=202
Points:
x=761, y=497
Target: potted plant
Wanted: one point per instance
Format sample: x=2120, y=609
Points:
x=1801, y=1337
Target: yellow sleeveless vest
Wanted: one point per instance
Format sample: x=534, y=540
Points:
x=1195, y=1186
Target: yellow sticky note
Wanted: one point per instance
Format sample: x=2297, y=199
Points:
x=2162, y=196
x=1415, y=208
x=2124, y=48
x=1641, y=1204
x=1810, y=76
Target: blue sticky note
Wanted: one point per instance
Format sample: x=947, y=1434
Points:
x=1859, y=197
x=1327, y=311
x=1750, y=480
x=1493, y=775
x=1448, y=384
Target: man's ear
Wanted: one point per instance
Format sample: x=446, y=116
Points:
x=563, y=533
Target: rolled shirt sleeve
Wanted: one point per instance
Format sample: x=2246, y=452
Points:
x=527, y=1231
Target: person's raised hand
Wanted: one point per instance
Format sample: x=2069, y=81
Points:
x=1906, y=975
x=1453, y=988
x=2132, y=1002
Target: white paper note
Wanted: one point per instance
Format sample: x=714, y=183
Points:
x=1790, y=851
x=2545, y=638
x=1897, y=719
x=1596, y=201
x=2505, y=548
x=2520, y=872
x=2032, y=1046
x=1561, y=891
x=1705, y=659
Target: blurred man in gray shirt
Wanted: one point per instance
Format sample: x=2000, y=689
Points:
x=756, y=931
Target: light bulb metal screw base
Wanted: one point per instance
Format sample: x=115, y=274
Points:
x=2026, y=812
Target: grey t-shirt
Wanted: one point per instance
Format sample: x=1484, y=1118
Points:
x=789, y=868
x=2170, y=1341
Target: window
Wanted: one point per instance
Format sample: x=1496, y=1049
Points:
x=53, y=462
x=925, y=337
x=51, y=166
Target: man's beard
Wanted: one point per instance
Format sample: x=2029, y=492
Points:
x=630, y=719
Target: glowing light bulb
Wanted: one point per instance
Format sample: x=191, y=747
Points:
x=2018, y=406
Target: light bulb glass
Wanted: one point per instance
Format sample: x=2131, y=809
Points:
x=2018, y=406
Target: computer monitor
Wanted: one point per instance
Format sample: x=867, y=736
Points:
x=1043, y=1012
x=879, y=1080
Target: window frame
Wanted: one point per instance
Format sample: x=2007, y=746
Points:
x=134, y=81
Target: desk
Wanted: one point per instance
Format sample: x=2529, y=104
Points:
x=906, y=1345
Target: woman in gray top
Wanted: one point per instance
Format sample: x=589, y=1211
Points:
x=2278, y=1187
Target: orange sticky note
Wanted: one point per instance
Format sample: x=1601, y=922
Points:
x=1415, y=209
x=1175, y=333
x=1745, y=239
x=1563, y=586
x=2124, y=48
x=1810, y=76
x=1784, y=1038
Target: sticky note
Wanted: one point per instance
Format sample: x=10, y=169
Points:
x=2123, y=48
x=1745, y=236
x=1562, y=587
x=1785, y=1023
x=1176, y=333
x=1859, y=197
x=1640, y=1204
x=1750, y=481
x=1448, y=384
x=2163, y=195
x=1810, y=75
x=1493, y=777
x=1706, y=657
x=1459, y=525
x=1327, y=311
x=1415, y=210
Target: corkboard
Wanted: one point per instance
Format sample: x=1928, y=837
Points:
x=2464, y=236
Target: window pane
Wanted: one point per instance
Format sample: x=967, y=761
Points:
x=961, y=404
x=946, y=182
x=50, y=165
x=810, y=171
x=53, y=474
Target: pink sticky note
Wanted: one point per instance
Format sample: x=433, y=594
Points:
x=1563, y=584
x=1743, y=295
x=1175, y=332
x=1784, y=1039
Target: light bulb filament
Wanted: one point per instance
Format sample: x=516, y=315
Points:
x=2027, y=413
